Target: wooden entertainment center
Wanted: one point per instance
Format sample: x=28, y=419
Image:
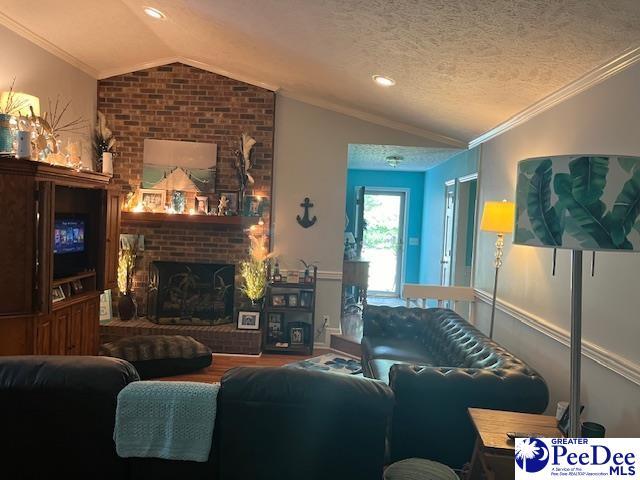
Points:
x=50, y=299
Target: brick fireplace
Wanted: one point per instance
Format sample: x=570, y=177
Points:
x=180, y=102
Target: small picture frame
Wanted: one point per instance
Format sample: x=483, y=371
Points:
x=152, y=200
x=278, y=300
x=248, y=320
x=296, y=336
x=275, y=330
x=253, y=205
x=105, y=307
x=76, y=286
x=232, y=207
x=202, y=204
x=306, y=299
x=293, y=276
x=57, y=294
x=292, y=300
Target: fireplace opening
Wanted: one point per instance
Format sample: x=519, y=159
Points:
x=190, y=293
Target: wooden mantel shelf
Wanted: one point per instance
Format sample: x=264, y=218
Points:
x=235, y=221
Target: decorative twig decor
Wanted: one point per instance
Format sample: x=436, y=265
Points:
x=244, y=164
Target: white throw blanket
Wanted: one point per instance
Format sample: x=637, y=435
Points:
x=170, y=420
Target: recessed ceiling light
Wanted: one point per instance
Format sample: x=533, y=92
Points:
x=154, y=13
x=384, y=81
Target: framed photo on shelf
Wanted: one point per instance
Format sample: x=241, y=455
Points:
x=253, y=206
x=152, y=200
x=298, y=333
x=278, y=300
x=248, y=320
x=306, y=299
x=232, y=207
x=105, y=306
x=293, y=276
x=292, y=300
x=57, y=294
x=76, y=286
x=297, y=336
x=275, y=330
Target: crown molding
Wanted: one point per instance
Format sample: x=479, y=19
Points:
x=590, y=79
x=186, y=61
x=46, y=45
x=375, y=119
x=608, y=359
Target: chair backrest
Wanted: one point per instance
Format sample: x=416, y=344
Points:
x=292, y=424
x=414, y=291
x=57, y=415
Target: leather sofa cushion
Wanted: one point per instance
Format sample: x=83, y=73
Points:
x=379, y=368
x=156, y=356
x=407, y=351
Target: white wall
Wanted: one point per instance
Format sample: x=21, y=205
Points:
x=603, y=119
x=310, y=160
x=44, y=75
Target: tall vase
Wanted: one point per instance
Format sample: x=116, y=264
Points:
x=6, y=138
x=107, y=163
x=127, y=308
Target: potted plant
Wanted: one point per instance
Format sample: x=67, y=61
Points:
x=104, y=144
x=254, y=270
x=127, y=308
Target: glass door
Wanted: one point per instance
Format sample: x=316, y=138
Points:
x=383, y=242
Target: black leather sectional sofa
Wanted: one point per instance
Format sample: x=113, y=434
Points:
x=438, y=365
x=57, y=416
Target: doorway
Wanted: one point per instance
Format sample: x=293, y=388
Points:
x=384, y=216
x=459, y=227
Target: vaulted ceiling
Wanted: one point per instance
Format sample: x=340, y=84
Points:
x=461, y=66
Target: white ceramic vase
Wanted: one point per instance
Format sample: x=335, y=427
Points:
x=107, y=163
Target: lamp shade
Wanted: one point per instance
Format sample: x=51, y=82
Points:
x=579, y=202
x=498, y=217
x=19, y=103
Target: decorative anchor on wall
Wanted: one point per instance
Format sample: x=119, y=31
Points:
x=305, y=222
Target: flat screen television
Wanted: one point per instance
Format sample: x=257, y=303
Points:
x=68, y=235
x=69, y=245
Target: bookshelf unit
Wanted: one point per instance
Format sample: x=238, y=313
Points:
x=289, y=317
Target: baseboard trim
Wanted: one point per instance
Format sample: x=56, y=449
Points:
x=611, y=361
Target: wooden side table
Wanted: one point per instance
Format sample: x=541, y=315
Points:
x=494, y=452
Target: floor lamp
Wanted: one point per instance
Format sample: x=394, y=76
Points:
x=578, y=202
x=497, y=217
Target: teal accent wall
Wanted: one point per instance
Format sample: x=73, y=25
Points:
x=414, y=182
x=464, y=163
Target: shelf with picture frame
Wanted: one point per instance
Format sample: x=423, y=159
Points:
x=289, y=316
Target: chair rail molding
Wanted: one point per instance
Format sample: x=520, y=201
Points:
x=329, y=275
x=606, y=358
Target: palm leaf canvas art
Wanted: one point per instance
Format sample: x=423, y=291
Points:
x=576, y=202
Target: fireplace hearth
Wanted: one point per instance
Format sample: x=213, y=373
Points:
x=182, y=293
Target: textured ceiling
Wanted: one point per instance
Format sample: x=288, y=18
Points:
x=414, y=159
x=461, y=66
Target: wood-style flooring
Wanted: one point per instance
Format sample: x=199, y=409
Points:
x=222, y=363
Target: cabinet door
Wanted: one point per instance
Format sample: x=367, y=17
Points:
x=73, y=344
x=61, y=321
x=43, y=335
x=110, y=240
x=91, y=328
x=17, y=237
